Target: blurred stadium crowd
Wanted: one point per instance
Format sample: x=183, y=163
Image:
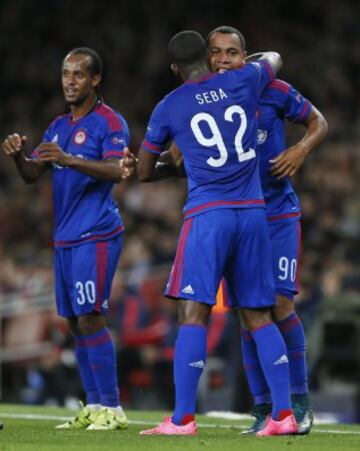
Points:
x=320, y=44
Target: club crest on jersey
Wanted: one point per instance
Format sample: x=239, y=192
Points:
x=262, y=135
x=80, y=137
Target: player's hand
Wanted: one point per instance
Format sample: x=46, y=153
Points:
x=288, y=162
x=13, y=144
x=53, y=153
x=127, y=164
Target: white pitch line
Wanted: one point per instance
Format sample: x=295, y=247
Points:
x=29, y=416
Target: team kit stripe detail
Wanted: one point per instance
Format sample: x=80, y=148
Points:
x=102, y=254
x=297, y=281
x=280, y=85
x=111, y=234
x=178, y=269
x=304, y=111
x=111, y=117
x=284, y=216
x=289, y=323
x=224, y=202
x=113, y=153
x=269, y=70
x=90, y=342
x=151, y=147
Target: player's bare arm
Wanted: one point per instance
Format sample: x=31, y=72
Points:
x=30, y=170
x=146, y=171
x=287, y=163
x=169, y=164
x=111, y=169
x=176, y=155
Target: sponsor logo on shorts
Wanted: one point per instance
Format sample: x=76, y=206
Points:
x=281, y=360
x=188, y=290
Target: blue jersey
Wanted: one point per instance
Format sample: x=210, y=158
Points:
x=213, y=122
x=84, y=208
x=278, y=101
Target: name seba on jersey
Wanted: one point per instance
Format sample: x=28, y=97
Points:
x=210, y=96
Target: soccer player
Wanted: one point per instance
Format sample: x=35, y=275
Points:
x=279, y=101
x=212, y=120
x=85, y=151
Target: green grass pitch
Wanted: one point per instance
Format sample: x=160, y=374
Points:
x=30, y=428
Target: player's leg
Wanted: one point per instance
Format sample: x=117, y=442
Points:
x=193, y=282
x=189, y=358
x=250, y=276
x=256, y=380
x=189, y=363
x=94, y=266
x=286, y=244
x=274, y=362
x=63, y=265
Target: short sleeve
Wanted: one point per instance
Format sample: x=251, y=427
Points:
x=116, y=139
x=296, y=108
x=260, y=75
x=158, y=131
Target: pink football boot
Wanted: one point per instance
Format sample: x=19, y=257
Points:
x=167, y=427
x=287, y=426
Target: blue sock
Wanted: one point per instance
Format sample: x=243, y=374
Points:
x=87, y=378
x=102, y=360
x=189, y=362
x=253, y=370
x=293, y=334
x=274, y=362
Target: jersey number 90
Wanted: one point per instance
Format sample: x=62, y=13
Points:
x=217, y=140
x=287, y=268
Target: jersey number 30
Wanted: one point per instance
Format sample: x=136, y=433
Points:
x=217, y=140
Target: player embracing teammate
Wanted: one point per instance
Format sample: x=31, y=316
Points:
x=212, y=119
x=279, y=101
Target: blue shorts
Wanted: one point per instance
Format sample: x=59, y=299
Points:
x=83, y=276
x=285, y=240
x=229, y=243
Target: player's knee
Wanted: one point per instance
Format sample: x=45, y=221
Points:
x=190, y=312
x=90, y=324
x=255, y=318
x=73, y=325
x=283, y=308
